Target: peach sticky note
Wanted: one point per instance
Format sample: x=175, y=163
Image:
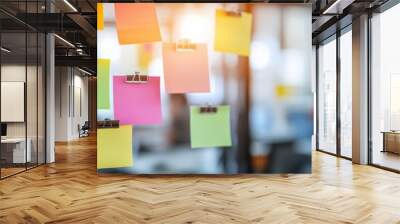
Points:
x=136, y=23
x=137, y=103
x=233, y=32
x=186, y=71
x=100, y=16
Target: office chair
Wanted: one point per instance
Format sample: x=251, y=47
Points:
x=84, y=130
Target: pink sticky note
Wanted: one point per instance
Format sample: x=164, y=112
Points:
x=137, y=103
x=186, y=71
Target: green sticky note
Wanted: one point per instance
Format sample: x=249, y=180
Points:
x=103, y=83
x=210, y=129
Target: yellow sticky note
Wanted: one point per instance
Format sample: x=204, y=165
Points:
x=100, y=16
x=114, y=147
x=233, y=32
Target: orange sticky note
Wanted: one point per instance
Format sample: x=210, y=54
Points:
x=233, y=32
x=186, y=71
x=136, y=23
x=100, y=16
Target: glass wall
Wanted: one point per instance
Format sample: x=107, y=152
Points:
x=335, y=137
x=385, y=89
x=22, y=89
x=346, y=94
x=327, y=96
x=269, y=92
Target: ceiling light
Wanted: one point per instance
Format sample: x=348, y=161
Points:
x=84, y=71
x=326, y=11
x=64, y=40
x=70, y=5
x=5, y=50
x=337, y=7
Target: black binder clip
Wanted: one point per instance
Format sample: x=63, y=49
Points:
x=233, y=13
x=107, y=123
x=208, y=109
x=185, y=45
x=137, y=78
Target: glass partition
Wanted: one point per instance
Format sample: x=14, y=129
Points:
x=385, y=89
x=41, y=107
x=31, y=99
x=22, y=89
x=13, y=95
x=327, y=97
x=268, y=92
x=346, y=94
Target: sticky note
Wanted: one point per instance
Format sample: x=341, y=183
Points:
x=114, y=147
x=186, y=71
x=233, y=32
x=137, y=103
x=100, y=16
x=103, y=83
x=210, y=129
x=136, y=23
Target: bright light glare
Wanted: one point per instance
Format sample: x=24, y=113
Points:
x=294, y=67
x=70, y=5
x=193, y=27
x=260, y=55
x=64, y=40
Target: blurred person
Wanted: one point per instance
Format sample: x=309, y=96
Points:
x=179, y=131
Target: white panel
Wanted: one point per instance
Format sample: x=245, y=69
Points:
x=12, y=101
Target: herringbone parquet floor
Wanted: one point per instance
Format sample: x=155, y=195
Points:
x=70, y=191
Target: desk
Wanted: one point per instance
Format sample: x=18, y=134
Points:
x=391, y=141
x=17, y=150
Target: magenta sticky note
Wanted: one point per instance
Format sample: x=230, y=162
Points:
x=137, y=103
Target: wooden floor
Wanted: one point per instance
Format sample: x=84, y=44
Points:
x=70, y=191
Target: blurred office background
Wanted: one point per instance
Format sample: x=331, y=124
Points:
x=270, y=92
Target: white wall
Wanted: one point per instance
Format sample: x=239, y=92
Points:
x=70, y=83
x=34, y=125
x=16, y=73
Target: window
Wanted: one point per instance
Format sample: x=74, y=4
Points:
x=385, y=89
x=346, y=94
x=327, y=97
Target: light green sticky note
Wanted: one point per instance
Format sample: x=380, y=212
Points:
x=103, y=83
x=210, y=129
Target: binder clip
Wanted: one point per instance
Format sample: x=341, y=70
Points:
x=185, y=45
x=208, y=109
x=107, y=123
x=233, y=13
x=137, y=78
